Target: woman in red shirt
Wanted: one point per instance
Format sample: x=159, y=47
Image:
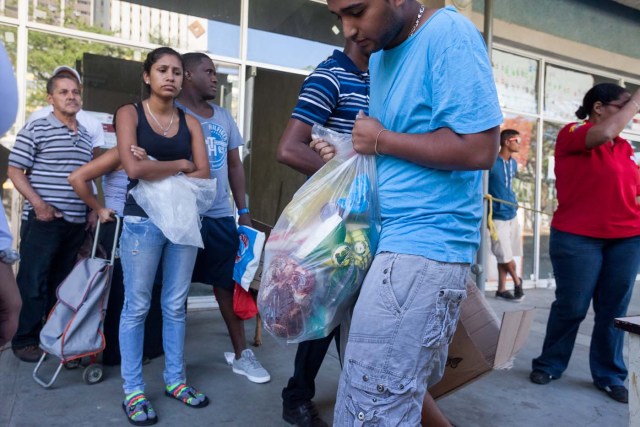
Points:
x=595, y=238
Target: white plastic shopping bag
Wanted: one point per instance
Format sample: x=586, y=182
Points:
x=175, y=204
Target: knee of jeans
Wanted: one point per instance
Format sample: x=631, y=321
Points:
x=174, y=309
x=134, y=311
x=377, y=397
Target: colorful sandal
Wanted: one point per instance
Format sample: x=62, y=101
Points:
x=139, y=410
x=187, y=395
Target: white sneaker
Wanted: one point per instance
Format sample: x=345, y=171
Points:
x=249, y=366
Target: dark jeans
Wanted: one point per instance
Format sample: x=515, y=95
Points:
x=309, y=356
x=47, y=255
x=587, y=268
x=153, y=323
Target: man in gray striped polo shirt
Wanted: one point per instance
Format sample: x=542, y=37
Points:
x=46, y=151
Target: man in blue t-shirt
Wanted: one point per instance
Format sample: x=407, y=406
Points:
x=434, y=124
x=214, y=265
x=330, y=96
x=508, y=243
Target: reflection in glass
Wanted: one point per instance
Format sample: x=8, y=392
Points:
x=9, y=8
x=516, y=79
x=194, y=25
x=634, y=124
x=110, y=74
x=293, y=33
x=524, y=184
x=548, y=195
x=564, y=90
x=524, y=188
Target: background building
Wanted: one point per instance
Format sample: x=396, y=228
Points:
x=546, y=54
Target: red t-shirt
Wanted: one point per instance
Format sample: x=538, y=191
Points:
x=597, y=188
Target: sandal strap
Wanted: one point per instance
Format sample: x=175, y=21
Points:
x=138, y=405
x=186, y=394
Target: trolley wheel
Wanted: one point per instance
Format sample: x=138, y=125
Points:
x=92, y=374
x=72, y=364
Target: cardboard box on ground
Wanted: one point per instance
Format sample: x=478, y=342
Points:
x=481, y=343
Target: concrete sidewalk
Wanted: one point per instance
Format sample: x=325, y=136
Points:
x=500, y=399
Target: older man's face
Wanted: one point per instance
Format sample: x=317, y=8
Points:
x=65, y=96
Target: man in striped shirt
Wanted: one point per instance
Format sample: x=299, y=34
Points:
x=331, y=96
x=46, y=151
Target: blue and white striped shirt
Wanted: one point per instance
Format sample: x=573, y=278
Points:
x=333, y=94
x=49, y=151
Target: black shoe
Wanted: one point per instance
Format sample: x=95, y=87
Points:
x=305, y=415
x=506, y=295
x=29, y=354
x=540, y=377
x=619, y=393
x=518, y=293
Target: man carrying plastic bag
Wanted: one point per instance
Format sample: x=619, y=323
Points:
x=321, y=247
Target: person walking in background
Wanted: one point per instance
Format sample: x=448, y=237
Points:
x=330, y=96
x=214, y=264
x=46, y=151
x=595, y=238
x=10, y=302
x=508, y=243
x=173, y=138
x=429, y=66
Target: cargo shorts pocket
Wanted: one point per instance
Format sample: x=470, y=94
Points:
x=376, y=397
x=441, y=324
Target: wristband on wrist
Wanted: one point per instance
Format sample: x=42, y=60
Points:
x=243, y=211
x=375, y=146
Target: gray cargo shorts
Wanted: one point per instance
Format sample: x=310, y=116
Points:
x=402, y=325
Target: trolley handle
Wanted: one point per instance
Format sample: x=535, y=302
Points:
x=115, y=240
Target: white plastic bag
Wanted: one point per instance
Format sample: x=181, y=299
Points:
x=175, y=204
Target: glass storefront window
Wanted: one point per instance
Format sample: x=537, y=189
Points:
x=548, y=196
x=228, y=87
x=516, y=79
x=9, y=8
x=111, y=74
x=293, y=33
x=196, y=25
x=524, y=187
x=564, y=90
x=634, y=124
x=525, y=183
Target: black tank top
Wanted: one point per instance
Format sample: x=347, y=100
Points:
x=160, y=147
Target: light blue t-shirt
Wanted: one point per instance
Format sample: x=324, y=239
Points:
x=221, y=135
x=439, y=77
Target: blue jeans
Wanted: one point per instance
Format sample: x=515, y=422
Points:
x=403, y=322
x=588, y=268
x=142, y=247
